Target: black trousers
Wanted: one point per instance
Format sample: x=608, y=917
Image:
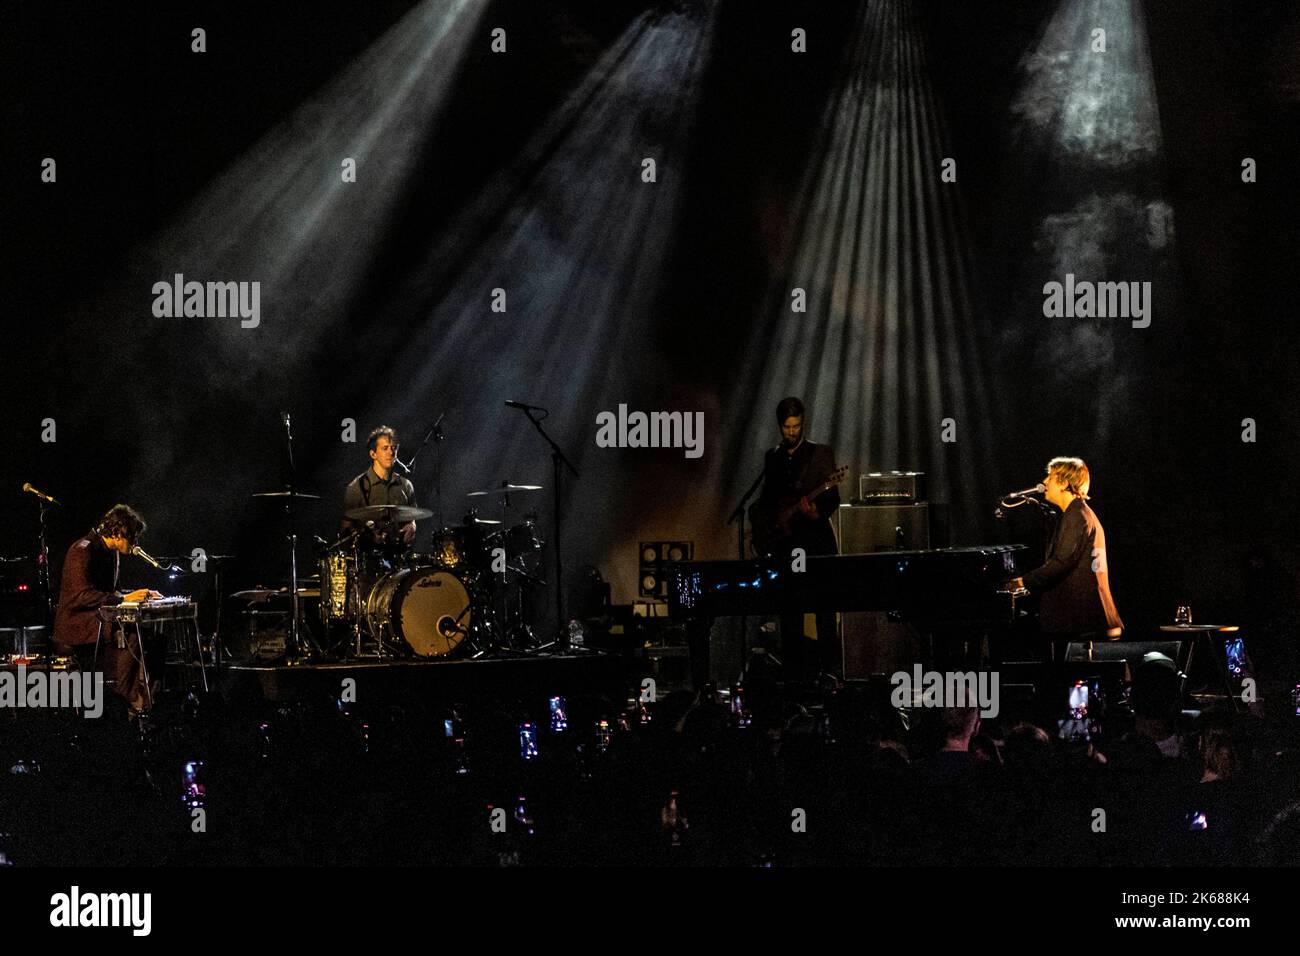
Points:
x=802, y=662
x=123, y=668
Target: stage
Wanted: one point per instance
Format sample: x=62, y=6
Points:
x=649, y=434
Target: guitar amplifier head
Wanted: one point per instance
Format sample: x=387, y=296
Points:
x=891, y=487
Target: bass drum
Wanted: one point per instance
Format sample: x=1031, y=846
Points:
x=426, y=609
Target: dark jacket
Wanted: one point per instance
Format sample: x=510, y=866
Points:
x=794, y=475
x=88, y=578
x=1074, y=583
x=367, y=489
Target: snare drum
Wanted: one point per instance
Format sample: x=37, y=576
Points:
x=427, y=609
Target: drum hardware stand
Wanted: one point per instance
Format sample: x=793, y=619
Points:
x=501, y=616
x=219, y=560
x=471, y=638
x=558, y=463
x=351, y=542
x=358, y=604
x=520, y=624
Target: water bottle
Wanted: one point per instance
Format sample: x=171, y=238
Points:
x=575, y=633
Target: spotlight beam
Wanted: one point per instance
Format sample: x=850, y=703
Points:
x=890, y=345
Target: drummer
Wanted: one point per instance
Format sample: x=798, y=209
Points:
x=380, y=485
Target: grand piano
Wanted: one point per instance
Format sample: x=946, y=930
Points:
x=945, y=587
x=950, y=593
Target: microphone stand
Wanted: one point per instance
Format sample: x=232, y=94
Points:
x=43, y=562
x=436, y=434
x=1010, y=504
x=557, y=459
x=738, y=516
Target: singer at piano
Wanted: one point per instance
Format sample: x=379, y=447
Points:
x=1074, y=582
x=380, y=484
x=90, y=577
x=787, y=516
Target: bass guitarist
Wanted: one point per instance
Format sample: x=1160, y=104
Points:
x=786, y=517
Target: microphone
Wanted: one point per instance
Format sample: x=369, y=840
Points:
x=400, y=466
x=447, y=627
x=140, y=552
x=527, y=408
x=27, y=487
x=1038, y=489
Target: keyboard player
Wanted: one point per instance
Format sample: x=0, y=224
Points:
x=1073, y=582
x=91, y=572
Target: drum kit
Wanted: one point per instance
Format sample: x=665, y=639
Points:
x=468, y=594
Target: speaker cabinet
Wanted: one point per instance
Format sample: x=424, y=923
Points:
x=873, y=644
x=863, y=529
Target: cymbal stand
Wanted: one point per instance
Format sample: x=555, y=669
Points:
x=298, y=646
x=355, y=585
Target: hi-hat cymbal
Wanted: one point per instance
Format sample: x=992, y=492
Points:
x=286, y=493
x=505, y=488
x=398, y=514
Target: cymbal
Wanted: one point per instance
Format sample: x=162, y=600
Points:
x=256, y=594
x=181, y=559
x=398, y=514
x=505, y=488
x=261, y=595
x=474, y=521
x=286, y=493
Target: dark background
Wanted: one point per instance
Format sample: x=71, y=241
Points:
x=148, y=412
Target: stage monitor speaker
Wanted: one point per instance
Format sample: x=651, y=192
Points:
x=864, y=529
